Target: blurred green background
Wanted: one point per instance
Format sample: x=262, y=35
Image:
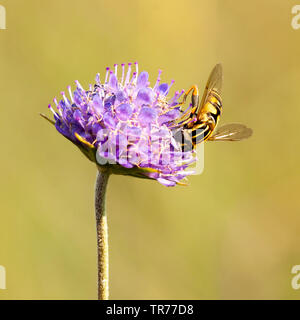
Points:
x=234, y=233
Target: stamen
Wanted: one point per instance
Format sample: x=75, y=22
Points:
x=70, y=93
x=128, y=73
x=174, y=97
x=65, y=98
x=106, y=75
x=158, y=79
x=134, y=77
x=123, y=72
x=170, y=85
x=78, y=85
x=181, y=93
x=116, y=69
x=59, y=110
x=97, y=79
x=110, y=73
x=136, y=68
x=55, y=101
x=156, y=98
x=55, y=113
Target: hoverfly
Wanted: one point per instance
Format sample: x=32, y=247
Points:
x=199, y=121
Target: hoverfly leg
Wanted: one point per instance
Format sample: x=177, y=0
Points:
x=195, y=102
x=195, y=96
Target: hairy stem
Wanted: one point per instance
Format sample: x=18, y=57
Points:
x=102, y=235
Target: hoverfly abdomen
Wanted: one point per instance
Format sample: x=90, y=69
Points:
x=189, y=138
x=201, y=133
x=184, y=138
x=212, y=109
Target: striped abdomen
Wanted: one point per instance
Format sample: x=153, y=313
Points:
x=206, y=119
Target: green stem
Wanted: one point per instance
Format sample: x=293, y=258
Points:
x=102, y=235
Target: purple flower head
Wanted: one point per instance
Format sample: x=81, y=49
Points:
x=126, y=125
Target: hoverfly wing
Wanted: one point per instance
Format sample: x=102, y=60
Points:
x=214, y=82
x=231, y=132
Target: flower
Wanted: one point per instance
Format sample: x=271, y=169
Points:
x=126, y=126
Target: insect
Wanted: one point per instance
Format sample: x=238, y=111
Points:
x=199, y=121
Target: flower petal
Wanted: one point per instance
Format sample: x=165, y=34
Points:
x=166, y=182
x=147, y=116
x=142, y=80
x=124, y=111
x=145, y=96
